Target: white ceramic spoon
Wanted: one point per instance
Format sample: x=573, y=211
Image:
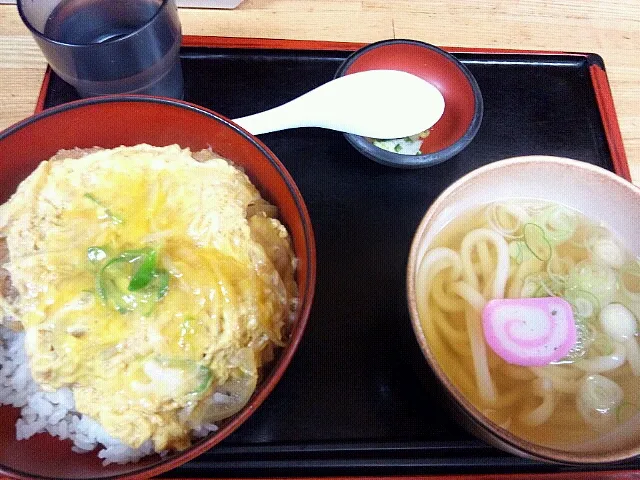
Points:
x=374, y=103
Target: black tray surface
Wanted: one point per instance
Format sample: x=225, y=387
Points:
x=354, y=400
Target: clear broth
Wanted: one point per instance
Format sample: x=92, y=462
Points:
x=448, y=335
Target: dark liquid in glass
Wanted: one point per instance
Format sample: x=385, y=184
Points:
x=141, y=56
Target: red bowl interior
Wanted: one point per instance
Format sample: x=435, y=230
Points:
x=110, y=123
x=432, y=66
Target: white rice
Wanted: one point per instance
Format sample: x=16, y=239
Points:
x=54, y=412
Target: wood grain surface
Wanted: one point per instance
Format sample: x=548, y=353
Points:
x=610, y=28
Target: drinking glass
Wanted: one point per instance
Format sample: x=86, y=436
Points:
x=110, y=46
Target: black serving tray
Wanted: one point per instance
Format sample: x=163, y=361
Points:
x=357, y=398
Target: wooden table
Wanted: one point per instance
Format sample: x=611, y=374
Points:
x=610, y=28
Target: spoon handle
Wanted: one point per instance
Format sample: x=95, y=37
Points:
x=352, y=104
x=316, y=108
x=279, y=118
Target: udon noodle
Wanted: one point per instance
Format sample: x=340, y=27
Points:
x=525, y=249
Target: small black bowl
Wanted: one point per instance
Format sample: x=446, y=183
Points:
x=463, y=101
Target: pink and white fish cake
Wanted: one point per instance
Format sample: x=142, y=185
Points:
x=529, y=331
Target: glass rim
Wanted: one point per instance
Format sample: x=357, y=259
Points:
x=37, y=33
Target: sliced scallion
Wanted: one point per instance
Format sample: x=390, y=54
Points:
x=516, y=251
x=131, y=281
x=163, y=282
x=559, y=223
x=197, y=376
x=585, y=304
x=205, y=375
x=601, y=281
x=116, y=219
x=537, y=242
x=145, y=272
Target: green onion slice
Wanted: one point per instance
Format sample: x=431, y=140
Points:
x=199, y=376
x=205, y=375
x=116, y=219
x=145, y=273
x=515, y=251
x=131, y=281
x=162, y=277
x=537, y=242
x=559, y=223
x=585, y=304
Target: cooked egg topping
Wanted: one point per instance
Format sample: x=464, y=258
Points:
x=152, y=284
